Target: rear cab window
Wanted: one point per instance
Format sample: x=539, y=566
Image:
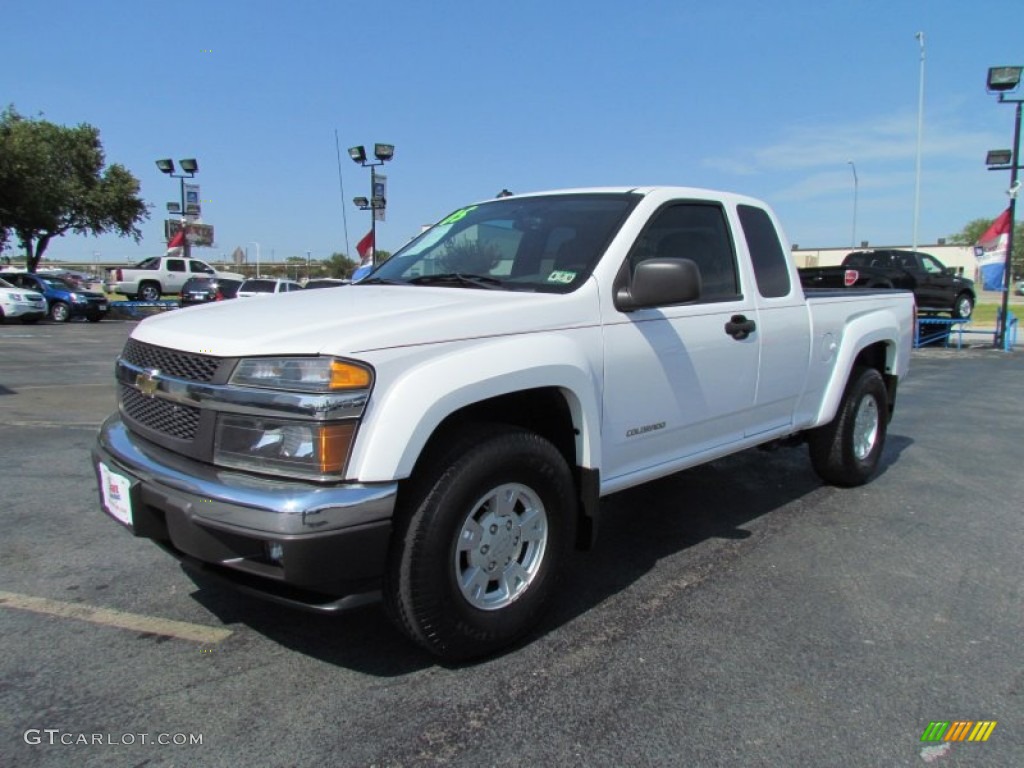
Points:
x=771, y=268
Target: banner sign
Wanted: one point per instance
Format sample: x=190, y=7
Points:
x=380, y=192
x=193, y=209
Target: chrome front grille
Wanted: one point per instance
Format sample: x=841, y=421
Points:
x=183, y=365
x=171, y=419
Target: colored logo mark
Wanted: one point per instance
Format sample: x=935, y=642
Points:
x=114, y=491
x=958, y=730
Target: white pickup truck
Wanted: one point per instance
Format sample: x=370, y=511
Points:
x=441, y=433
x=153, y=277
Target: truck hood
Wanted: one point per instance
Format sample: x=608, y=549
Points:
x=350, y=320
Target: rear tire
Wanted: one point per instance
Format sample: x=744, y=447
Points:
x=846, y=451
x=479, y=541
x=149, y=292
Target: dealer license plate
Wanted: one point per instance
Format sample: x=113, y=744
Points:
x=115, y=492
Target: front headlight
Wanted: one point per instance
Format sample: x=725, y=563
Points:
x=77, y=298
x=312, y=449
x=302, y=374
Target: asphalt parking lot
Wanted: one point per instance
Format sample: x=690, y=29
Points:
x=740, y=614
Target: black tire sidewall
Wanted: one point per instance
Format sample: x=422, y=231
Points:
x=436, y=607
x=956, y=306
x=831, y=446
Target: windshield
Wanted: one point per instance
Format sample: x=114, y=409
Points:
x=547, y=244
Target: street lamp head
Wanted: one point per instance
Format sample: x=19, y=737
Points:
x=361, y=202
x=189, y=165
x=384, y=152
x=166, y=165
x=358, y=154
x=998, y=157
x=1003, y=78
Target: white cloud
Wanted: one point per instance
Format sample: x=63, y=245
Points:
x=868, y=141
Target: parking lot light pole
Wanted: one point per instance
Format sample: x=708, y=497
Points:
x=853, y=236
x=253, y=242
x=190, y=168
x=376, y=202
x=1001, y=80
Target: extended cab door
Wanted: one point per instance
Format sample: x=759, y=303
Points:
x=783, y=322
x=678, y=384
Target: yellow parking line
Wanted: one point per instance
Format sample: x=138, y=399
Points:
x=111, y=618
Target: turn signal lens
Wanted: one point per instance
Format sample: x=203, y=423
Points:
x=348, y=376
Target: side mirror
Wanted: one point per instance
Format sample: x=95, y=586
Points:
x=659, y=282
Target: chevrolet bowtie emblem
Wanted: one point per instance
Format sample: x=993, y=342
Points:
x=146, y=382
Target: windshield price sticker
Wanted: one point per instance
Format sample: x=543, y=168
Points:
x=561, y=276
x=459, y=215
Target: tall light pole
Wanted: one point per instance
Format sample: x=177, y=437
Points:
x=920, y=131
x=376, y=201
x=1001, y=80
x=253, y=242
x=190, y=168
x=853, y=235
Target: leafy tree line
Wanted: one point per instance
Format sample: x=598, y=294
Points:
x=53, y=181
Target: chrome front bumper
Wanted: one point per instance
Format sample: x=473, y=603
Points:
x=289, y=535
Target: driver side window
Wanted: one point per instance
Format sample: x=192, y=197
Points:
x=695, y=231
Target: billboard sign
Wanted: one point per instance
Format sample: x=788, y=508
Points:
x=197, y=234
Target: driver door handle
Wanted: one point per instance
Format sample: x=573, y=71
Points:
x=739, y=327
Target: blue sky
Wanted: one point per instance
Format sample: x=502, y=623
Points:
x=767, y=99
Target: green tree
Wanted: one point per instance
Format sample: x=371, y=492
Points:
x=53, y=181
x=339, y=265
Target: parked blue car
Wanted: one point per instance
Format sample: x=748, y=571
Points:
x=63, y=300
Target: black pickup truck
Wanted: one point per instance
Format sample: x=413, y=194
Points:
x=937, y=288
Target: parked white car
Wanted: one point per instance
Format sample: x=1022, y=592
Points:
x=260, y=286
x=27, y=306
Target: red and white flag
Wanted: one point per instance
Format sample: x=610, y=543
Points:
x=991, y=252
x=176, y=243
x=365, y=248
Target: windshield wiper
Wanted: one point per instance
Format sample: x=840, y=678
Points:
x=379, y=281
x=461, y=278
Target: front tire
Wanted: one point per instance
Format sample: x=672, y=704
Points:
x=60, y=312
x=479, y=542
x=846, y=451
x=963, y=306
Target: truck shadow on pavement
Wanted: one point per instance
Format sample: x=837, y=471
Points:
x=702, y=515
